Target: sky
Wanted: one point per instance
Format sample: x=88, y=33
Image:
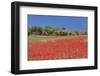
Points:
x=73, y=23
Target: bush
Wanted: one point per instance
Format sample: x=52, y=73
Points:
x=85, y=33
x=48, y=30
x=77, y=33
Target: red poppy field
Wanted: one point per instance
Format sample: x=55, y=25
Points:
x=57, y=47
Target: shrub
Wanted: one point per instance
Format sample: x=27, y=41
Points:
x=49, y=30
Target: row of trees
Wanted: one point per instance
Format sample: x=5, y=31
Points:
x=48, y=30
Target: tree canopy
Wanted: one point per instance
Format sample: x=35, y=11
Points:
x=49, y=30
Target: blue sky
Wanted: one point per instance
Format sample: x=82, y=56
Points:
x=73, y=23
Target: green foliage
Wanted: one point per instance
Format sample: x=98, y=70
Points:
x=85, y=33
x=77, y=33
x=49, y=30
x=29, y=31
x=63, y=32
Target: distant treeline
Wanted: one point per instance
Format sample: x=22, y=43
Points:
x=53, y=31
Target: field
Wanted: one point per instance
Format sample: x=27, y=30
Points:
x=57, y=47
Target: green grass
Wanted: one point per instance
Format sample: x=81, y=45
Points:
x=35, y=38
x=41, y=39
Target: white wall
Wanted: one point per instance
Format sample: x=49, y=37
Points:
x=5, y=27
